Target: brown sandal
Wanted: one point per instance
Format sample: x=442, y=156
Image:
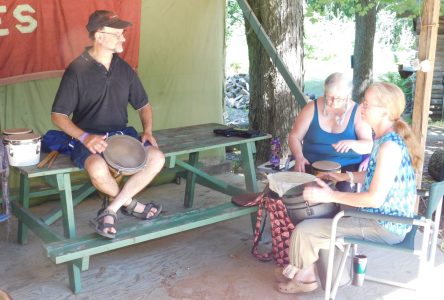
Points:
x=129, y=210
x=99, y=224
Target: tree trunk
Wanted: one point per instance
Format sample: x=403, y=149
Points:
x=272, y=106
x=363, y=52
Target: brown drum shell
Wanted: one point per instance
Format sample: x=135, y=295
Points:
x=125, y=154
x=325, y=166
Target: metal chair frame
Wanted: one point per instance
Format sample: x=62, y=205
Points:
x=426, y=251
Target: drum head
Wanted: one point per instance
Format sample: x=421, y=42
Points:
x=125, y=154
x=16, y=131
x=27, y=137
x=282, y=182
x=326, y=165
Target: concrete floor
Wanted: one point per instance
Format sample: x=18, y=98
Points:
x=213, y=262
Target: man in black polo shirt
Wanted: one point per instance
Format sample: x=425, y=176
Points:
x=96, y=89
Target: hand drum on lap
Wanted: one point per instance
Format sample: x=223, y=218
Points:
x=125, y=154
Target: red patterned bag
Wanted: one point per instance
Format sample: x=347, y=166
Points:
x=281, y=225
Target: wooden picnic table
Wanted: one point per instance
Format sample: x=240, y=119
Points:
x=175, y=143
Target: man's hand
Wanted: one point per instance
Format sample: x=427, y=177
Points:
x=148, y=137
x=95, y=143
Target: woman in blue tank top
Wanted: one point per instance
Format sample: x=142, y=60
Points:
x=331, y=128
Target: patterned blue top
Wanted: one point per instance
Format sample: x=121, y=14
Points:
x=401, y=198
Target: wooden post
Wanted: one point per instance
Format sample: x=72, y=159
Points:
x=427, y=48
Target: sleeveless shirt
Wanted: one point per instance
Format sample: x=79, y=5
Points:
x=318, y=142
x=401, y=199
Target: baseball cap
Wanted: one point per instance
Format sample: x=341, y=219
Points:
x=102, y=18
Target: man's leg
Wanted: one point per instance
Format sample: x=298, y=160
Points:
x=103, y=180
x=139, y=181
x=101, y=176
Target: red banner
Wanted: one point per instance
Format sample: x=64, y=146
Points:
x=38, y=39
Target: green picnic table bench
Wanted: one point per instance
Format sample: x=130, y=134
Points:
x=175, y=143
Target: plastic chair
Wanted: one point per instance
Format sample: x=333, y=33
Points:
x=426, y=253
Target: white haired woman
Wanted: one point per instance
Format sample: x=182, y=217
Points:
x=331, y=128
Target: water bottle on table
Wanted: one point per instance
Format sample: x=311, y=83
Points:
x=275, y=156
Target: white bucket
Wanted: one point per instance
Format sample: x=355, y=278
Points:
x=23, y=149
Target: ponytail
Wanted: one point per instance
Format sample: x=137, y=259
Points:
x=392, y=97
x=406, y=133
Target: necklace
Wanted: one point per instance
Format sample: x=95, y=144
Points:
x=339, y=118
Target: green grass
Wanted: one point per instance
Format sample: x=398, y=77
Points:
x=439, y=123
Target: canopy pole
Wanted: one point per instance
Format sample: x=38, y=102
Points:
x=423, y=91
x=264, y=39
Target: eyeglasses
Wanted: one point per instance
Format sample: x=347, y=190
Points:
x=365, y=105
x=116, y=35
x=335, y=99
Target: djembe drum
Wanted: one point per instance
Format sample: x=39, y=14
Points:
x=325, y=166
x=290, y=186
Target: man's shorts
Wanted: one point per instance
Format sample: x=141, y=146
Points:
x=80, y=153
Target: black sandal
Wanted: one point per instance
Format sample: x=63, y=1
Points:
x=129, y=210
x=99, y=224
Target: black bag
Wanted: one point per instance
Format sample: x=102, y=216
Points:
x=237, y=132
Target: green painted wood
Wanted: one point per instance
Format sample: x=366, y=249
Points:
x=74, y=269
x=64, y=185
x=62, y=164
x=170, y=162
x=50, y=180
x=272, y=52
x=78, y=196
x=197, y=138
x=85, y=263
x=210, y=181
x=172, y=142
x=221, y=186
x=69, y=228
x=249, y=167
x=191, y=180
x=129, y=234
x=27, y=218
x=22, y=231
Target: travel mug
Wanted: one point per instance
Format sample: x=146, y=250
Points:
x=359, y=267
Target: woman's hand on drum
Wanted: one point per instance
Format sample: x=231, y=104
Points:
x=148, y=137
x=318, y=194
x=299, y=164
x=344, y=146
x=95, y=143
x=336, y=177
